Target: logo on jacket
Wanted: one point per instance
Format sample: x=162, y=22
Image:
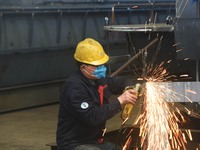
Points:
x=84, y=105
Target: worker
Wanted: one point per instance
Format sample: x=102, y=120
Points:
x=84, y=100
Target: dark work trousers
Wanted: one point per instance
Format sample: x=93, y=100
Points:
x=104, y=146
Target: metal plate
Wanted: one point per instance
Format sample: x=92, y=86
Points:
x=180, y=91
x=187, y=33
x=187, y=9
x=160, y=27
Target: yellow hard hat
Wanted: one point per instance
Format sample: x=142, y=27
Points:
x=91, y=52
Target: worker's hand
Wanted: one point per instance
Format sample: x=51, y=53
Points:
x=129, y=96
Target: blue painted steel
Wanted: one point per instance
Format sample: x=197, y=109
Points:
x=38, y=37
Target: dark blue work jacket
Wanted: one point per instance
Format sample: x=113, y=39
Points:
x=81, y=116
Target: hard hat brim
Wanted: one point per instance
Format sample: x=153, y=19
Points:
x=97, y=62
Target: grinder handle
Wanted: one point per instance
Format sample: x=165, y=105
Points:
x=126, y=112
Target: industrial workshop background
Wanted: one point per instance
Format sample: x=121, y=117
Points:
x=38, y=38
x=37, y=43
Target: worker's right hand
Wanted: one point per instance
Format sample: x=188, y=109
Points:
x=129, y=96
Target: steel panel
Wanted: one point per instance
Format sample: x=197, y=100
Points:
x=179, y=91
x=26, y=68
x=187, y=9
x=187, y=33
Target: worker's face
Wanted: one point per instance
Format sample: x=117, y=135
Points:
x=94, y=72
x=88, y=71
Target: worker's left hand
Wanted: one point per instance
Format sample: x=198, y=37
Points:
x=129, y=96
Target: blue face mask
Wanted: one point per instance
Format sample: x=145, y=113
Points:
x=100, y=72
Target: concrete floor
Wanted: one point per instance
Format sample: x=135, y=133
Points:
x=32, y=129
x=28, y=129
